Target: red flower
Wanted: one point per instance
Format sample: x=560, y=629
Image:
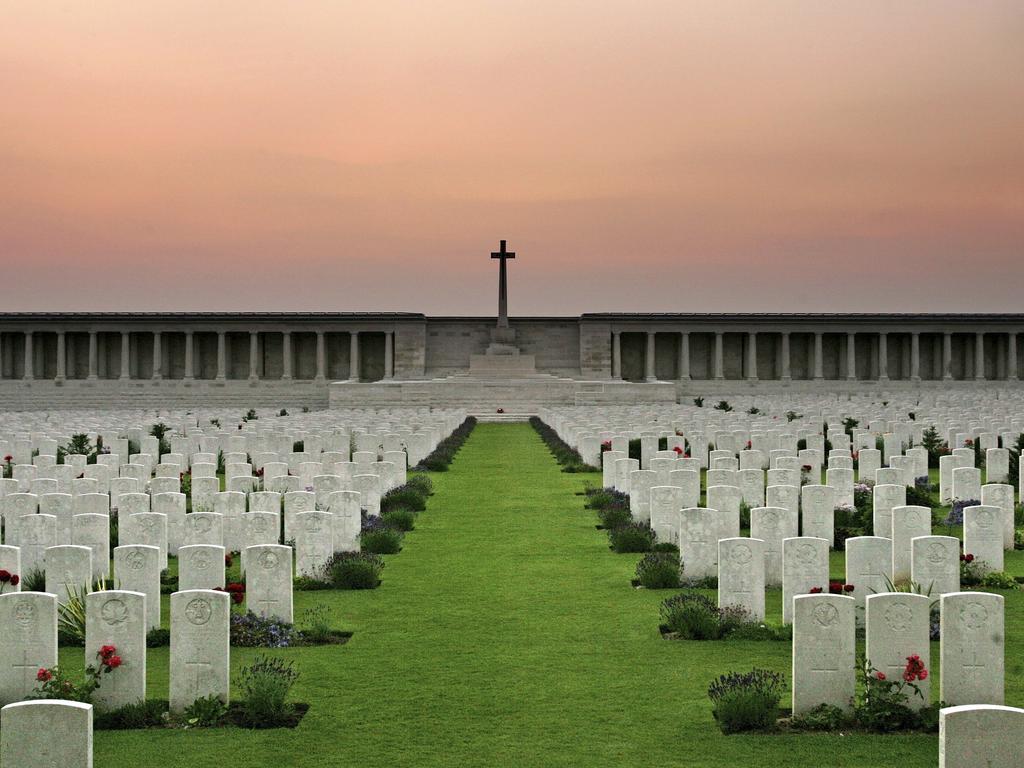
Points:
x=678, y=450
x=113, y=662
x=107, y=651
x=969, y=558
x=749, y=443
x=44, y=675
x=815, y=590
x=5, y=576
x=922, y=675
x=607, y=444
x=908, y=677
x=848, y=587
x=501, y=410
x=15, y=580
x=259, y=472
x=8, y=458
x=808, y=467
x=880, y=675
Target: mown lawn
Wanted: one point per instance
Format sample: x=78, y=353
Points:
x=506, y=633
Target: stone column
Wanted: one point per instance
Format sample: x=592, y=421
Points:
x=189, y=356
x=649, y=358
x=62, y=357
x=222, y=356
x=389, y=353
x=254, y=356
x=851, y=356
x=126, y=355
x=684, y=356
x=752, y=356
x=616, y=355
x=786, y=373
x=979, y=357
x=883, y=356
x=353, y=356
x=719, y=356
x=819, y=363
x=1011, y=356
x=915, y=356
x=286, y=355
x=30, y=359
x=947, y=356
x=93, y=356
x=158, y=356
x=321, y=356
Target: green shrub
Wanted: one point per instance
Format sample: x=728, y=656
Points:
x=354, y=570
x=420, y=482
x=999, y=580
x=658, y=570
x=158, y=638
x=205, y=712
x=381, y=540
x=398, y=518
x=145, y=714
x=692, y=616
x=666, y=546
x=614, y=517
x=918, y=496
x=403, y=497
x=632, y=537
x=34, y=581
x=265, y=685
x=316, y=628
x=746, y=701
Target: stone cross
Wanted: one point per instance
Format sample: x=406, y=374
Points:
x=503, y=256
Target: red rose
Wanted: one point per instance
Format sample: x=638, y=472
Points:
x=237, y=597
x=15, y=580
x=908, y=677
x=113, y=662
x=5, y=576
x=922, y=675
x=44, y=675
x=678, y=450
x=969, y=558
x=8, y=458
x=815, y=590
x=880, y=675
x=963, y=558
x=848, y=587
x=107, y=651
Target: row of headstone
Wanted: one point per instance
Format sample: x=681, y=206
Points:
x=971, y=646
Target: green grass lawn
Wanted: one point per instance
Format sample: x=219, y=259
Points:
x=506, y=633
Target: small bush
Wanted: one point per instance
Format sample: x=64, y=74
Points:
x=403, y=497
x=746, y=701
x=381, y=540
x=614, y=517
x=205, y=712
x=420, y=482
x=658, y=570
x=144, y=714
x=919, y=496
x=398, y=518
x=35, y=581
x=158, y=638
x=265, y=685
x=632, y=537
x=999, y=580
x=316, y=627
x=666, y=546
x=692, y=616
x=602, y=498
x=354, y=570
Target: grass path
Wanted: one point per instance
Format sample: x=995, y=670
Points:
x=506, y=633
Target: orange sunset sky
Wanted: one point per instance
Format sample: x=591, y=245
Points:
x=648, y=156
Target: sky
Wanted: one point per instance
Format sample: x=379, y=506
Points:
x=644, y=155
